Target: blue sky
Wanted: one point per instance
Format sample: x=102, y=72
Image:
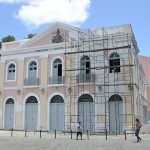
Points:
x=21, y=17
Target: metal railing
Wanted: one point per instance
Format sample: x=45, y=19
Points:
x=56, y=80
x=31, y=81
x=85, y=78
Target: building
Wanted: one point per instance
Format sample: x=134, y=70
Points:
x=145, y=62
x=66, y=74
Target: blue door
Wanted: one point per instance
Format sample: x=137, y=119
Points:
x=9, y=114
x=116, y=114
x=86, y=112
x=31, y=114
x=57, y=113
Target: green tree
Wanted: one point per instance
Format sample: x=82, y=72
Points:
x=8, y=38
x=30, y=35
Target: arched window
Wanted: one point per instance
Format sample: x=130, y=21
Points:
x=32, y=99
x=11, y=72
x=85, y=75
x=115, y=97
x=57, y=99
x=10, y=101
x=85, y=65
x=86, y=98
x=57, y=77
x=57, y=67
x=32, y=70
x=114, y=63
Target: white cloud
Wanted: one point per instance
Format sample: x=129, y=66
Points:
x=37, y=12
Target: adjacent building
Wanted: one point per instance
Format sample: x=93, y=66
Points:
x=145, y=62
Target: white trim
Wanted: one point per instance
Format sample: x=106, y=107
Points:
x=4, y=103
x=48, y=106
x=28, y=86
x=6, y=79
x=31, y=54
x=50, y=85
x=24, y=105
x=9, y=88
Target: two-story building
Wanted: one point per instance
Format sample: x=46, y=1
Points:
x=66, y=74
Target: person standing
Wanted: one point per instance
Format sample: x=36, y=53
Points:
x=79, y=130
x=137, y=130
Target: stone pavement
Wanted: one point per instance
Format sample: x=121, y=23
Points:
x=18, y=141
x=145, y=128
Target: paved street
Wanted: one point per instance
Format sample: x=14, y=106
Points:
x=64, y=142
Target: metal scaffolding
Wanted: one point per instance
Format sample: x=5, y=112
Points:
x=100, y=82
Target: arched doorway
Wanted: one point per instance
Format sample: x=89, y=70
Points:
x=57, y=113
x=116, y=114
x=31, y=113
x=9, y=114
x=86, y=112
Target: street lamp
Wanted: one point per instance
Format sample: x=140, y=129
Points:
x=18, y=92
x=42, y=91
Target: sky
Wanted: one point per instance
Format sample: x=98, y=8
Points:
x=22, y=17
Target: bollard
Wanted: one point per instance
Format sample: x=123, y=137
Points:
x=125, y=134
x=25, y=133
x=88, y=134
x=40, y=133
x=71, y=134
x=55, y=134
x=106, y=133
x=11, y=132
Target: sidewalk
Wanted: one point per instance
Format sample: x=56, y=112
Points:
x=64, y=142
x=145, y=128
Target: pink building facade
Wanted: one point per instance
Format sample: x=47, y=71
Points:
x=65, y=74
x=145, y=62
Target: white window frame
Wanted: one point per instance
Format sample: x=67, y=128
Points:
x=52, y=62
x=6, y=77
x=27, y=75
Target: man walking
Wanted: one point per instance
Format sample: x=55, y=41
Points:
x=79, y=130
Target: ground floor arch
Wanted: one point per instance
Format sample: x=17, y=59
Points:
x=9, y=114
x=57, y=113
x=86, y=112
x=31, y=113
x=116, y=116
